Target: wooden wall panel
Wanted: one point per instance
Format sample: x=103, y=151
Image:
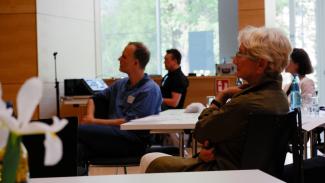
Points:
x=10, y=94
x=199, y=88
x=251, y=12
x=18, y=46
x=250, y=4
x=17, y=6
x=18, y=50
x=10, y=91
x=253, y=17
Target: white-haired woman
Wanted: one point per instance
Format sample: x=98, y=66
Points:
x=263, y=54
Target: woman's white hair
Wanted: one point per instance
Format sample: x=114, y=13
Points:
x=269, y=44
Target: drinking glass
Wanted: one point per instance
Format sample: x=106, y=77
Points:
x=209, y=100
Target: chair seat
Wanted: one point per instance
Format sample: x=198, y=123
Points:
x=313, y=170
x=115, y=161
x=172, y=150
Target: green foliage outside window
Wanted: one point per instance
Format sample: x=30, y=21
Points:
x=123, y=21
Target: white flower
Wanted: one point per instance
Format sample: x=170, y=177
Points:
x=28, y=98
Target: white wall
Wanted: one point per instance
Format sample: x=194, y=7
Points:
x=66, y=27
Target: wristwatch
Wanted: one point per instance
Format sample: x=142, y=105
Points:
x=216, y=103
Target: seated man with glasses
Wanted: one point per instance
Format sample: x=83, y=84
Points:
x=263, y=54
x=135, y=96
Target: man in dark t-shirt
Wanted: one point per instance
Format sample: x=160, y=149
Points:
x=174, y=84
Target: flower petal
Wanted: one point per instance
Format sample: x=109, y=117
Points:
x=4, y=134
x=3, y=105
x=53, y=149
x=35, y=127
x=9, y=121
x=58, y=124
x=28, y=98
x=38, y=127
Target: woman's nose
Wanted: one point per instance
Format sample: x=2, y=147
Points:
x=234, y=60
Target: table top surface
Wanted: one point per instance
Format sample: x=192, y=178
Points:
x=249, y=176
x=177, y=119
x=309, y=122
x=173, y=119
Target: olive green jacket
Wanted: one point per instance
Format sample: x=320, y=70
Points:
x=225, y=128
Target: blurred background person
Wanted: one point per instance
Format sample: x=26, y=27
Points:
x=300, y=65
x=173, y=89
x=174, y=84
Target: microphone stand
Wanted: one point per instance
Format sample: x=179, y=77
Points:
x=57, y=88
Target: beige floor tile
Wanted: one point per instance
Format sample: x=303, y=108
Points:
x=99, y=170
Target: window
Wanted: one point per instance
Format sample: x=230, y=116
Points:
x=297, y=18
x=303, y=20
x=188, y=25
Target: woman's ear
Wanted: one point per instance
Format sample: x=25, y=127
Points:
x=262, y=65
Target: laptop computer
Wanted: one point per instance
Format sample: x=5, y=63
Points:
x=95, y=85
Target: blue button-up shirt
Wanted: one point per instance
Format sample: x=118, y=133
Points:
x=131, y=102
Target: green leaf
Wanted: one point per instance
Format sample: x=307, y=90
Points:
x=11, y=159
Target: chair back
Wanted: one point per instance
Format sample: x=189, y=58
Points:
x=101, y=107
x=67, y=166
x=267, y=139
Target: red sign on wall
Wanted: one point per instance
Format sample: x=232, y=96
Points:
x=221, y=85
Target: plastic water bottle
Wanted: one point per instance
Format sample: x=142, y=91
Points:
x=295, y=95
x=239, y=82
x=314, y=104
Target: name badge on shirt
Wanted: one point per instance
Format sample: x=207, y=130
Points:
x=130, y=99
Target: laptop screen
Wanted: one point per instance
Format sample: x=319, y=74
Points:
x=96, y=84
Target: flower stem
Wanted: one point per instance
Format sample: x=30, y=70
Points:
x=11, y=158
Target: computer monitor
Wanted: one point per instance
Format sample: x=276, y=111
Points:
x=80, y=87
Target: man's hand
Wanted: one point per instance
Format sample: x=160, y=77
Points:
x=230, y=91
x=87, y=119
x=120, y=121
x=207, y=153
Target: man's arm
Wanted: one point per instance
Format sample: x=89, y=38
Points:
x=90, y=119
x=110, y=122
x=217, y=124
x=173, y=102
x=89, y=112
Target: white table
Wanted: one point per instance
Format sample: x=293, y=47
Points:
x=309, y=123
x=244, y=176
x=174, y=120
